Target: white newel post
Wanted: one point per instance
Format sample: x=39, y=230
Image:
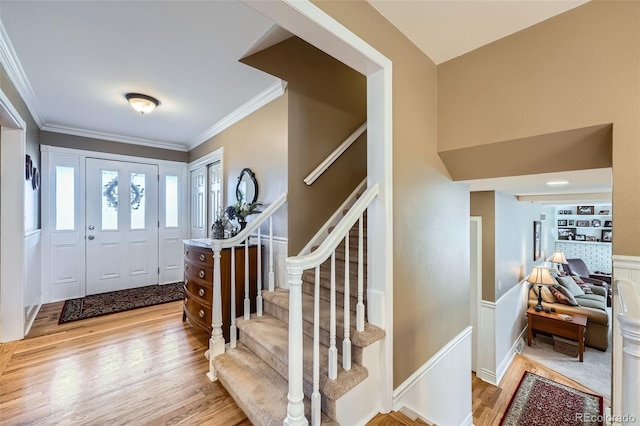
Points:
x=216, y=342
x=295, y=407
x=630, y=330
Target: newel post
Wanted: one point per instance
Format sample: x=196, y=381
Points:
x=216, y=342
x=630, y=330
x=295, y=407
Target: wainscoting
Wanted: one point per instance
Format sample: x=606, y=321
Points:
x=439, y=392
x=32, y=282
x=502, y=324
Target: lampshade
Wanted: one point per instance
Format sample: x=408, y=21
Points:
x=557, y=257
x=142, y=103
x=541, y=275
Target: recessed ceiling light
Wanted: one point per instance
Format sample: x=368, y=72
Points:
x=558, y=182
x=144, y=104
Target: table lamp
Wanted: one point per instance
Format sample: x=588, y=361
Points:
x=540, y=276
x=558, y=257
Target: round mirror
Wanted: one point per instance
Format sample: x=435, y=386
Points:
x=247, y=187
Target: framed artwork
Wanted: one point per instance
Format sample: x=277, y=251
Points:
x=581, y=237
x=566, y=233
x=608, y=224
x=595, y=223
x=607, y=236
x=582, y=223
x=571, y=222
x=537, y=235
x=585, y=209
x=604, y=212
x=562, y=222
x=28, y=163
x=590, y=238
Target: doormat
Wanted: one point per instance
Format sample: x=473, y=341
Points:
x=119, y=301
x=541, y=401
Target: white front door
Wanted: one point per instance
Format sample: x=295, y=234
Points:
x=122, y=225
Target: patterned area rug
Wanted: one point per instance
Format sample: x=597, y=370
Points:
x=119, y=301
x=540, y=401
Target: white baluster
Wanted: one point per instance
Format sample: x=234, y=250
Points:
x=259, y=297
x=346, y=342
x=295, y=406
x=247, y=301
x=333, y=352
x=360, y=305
x=233, y=330
x=316, y=415
x=272, y=277
x=216, y=342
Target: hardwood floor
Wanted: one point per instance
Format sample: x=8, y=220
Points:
x=146, y=366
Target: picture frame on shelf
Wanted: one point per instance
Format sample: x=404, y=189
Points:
x=607, y=235
x=566, y=233
x=582, y=223
x=596, y=223
x=581, y=237
x=28, y=163
x=603, y=212
x=571, y=222
x=590, y=238
x=585, y=210
x=562, y=222
x=537, y=236
x=608, y=224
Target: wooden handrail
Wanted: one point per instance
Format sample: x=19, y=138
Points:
x=331, y=158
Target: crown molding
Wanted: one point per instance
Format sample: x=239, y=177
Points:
x=261, y=99
x=113, y=137
x=11, y=64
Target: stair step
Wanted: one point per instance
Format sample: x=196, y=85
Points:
x=277, y=305
x=325, y=294
x=259, y=390
x=268, y=338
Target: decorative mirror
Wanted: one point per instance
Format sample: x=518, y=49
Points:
x=247, y=187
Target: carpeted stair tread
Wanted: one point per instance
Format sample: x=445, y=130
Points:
x=259, y=390
x=273, y=335
x=371, y=333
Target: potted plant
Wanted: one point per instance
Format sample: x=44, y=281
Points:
x=241, y=211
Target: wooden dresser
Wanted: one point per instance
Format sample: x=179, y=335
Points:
x=198, y=284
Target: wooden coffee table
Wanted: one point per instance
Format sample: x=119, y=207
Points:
x=550, y=323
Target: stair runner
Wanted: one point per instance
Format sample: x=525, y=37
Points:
x=255, y=372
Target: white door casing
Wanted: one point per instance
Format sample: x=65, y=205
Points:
x=198, y=187
x=121, y=225
x=475, y=286
x=215, y=191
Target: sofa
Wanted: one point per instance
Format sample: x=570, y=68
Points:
x=593, y=306
x=579, y=268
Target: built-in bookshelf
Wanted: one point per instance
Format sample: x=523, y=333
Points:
x=585, y=223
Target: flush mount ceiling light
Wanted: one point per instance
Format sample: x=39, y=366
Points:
x=558, y=182
x=142, y=103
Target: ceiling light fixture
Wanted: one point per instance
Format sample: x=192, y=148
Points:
x=558, y=182
x=144, y=104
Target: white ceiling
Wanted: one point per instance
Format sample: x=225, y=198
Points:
x=81, y=57
x=446, y=29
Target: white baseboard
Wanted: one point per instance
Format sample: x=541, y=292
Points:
x=423, y=394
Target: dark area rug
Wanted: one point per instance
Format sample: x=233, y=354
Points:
x=119, y=301
x=541, y=401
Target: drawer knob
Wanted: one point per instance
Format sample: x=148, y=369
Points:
x=201, y=313
x=186, y=300
x=201, y=292
x=186, y=252
x=202, y=257
x=186, y=265
x=201, y=274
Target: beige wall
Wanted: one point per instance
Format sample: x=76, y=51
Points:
x=99, y=145
x=431, y=213
x=32, y=148
x=483, y=204
x=579, y=69
x=258, y=142
x=327, y=102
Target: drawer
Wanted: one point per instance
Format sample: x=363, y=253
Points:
x=201, y=292
x=195, y=271
x=198, y=312
x=199, y=256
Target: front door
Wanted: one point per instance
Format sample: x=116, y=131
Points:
x=122, y=225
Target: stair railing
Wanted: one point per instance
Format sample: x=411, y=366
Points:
x=331, y=158
x=295, y=267
x=217, y=342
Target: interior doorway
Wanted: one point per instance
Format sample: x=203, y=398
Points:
x=475, y=283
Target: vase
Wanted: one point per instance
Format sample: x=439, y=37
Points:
x=243, y=224
x=217, y=231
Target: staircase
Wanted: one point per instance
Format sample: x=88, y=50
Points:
x=255, y=372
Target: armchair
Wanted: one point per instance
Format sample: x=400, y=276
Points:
x=579, y=268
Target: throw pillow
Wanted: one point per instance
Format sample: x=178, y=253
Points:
x=570, y=284
x=577, y=279
x=547, y=297
x=562, y=295
x=586, y=288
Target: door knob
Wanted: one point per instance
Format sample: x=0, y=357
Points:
x=91, y=227
x=91, y=237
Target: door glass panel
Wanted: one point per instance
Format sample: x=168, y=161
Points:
x=171, y=202
x=137, y=200
x=65, y=198
x=109, y=200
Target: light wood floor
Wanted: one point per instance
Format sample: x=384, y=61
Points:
x=146, y=366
